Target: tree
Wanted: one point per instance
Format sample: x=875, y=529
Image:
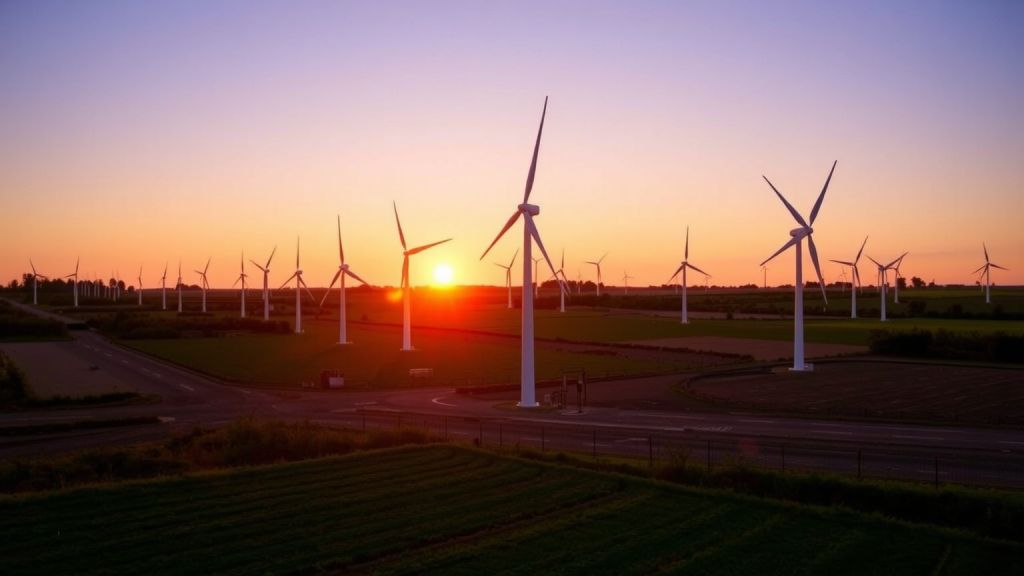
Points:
x=13, y=285
x=917, y=282
x=901, y=283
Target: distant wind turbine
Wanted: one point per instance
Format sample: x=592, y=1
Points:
x=882, y=278
x=178, y=287
x=896, y=279
x=35, y=282
x=798, y=234
x=765, y=270
x=241, y=278
x=140, y=285
x=625, y=282
x=536, y=278
x=682, y=270
x=598, y=264
x=299, y=285
x=74, y=281
x=508, y=276
x=343, y=270
x=856, y=277
x=203, y=283
x=163, y=288
x=527, y=211
x=984, y=269
x=406, y=288
x=266, y=290
x=563, y=282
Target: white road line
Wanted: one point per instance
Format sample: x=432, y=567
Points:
x=918, y=437
x=645, y=415
x=915, y=429
x=830, y=432
x=459, y=433
x=758, y=421
x=600, y=445
x=186, y=387
x=530, y=439
x=438, y=401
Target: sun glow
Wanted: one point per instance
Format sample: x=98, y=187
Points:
x=443, y=275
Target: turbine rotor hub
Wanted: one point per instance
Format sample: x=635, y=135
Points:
x=343, y=267
x=801, y=231
x=531, y=209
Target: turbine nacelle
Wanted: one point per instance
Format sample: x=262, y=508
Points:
x=801, y=232
x=531, y=209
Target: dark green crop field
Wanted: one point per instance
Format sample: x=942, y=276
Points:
x=449, y=510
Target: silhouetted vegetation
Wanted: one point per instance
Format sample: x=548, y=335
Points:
x=13, y=387
x=18, y=324
x=127, y=325
x=945, y=344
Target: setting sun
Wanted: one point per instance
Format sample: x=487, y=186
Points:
x=443, y=274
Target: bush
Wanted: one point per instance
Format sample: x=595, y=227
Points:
x=996, y=346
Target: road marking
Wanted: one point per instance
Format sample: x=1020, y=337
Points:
x=438, y=401
x=931, y=472
x=1008, y=442
x=918, y=437
x=107, y=354
x=364, y=403
x=145, y=370
x=645, y=415
x=459, y=433
x=125, y=361
x=710, y=428
x=758, y=421
x=631, y=440
x=186, y=387
x=916, y=429
x=531, y=439
x=599, y=445
x=830, y=432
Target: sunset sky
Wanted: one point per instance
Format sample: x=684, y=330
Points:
x=141, y=133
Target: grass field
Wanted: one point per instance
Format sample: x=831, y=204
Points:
x=449, y=510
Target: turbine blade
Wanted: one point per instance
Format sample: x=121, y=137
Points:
x=255, y=264
x=77, y=260
x=536, y=151
x=353, y=274
x=686, y=252
x=601, y=258
x=207, y=264
x=562, y=267
x=405, y=272
x=297, y=253
x=893, y=263
x=268, y=259
x=980, y=268
x=842, y=262
x=875, y=261
x=983, y=247
x=791, y=242
x=678, y=270
x=341, y=250
x=998, y=266
x=817, y=205
x=235, y=284
x=512, y=263
x=508, y=225
x=288, y=280
x=328, y=292
x=799, y=218
x=33, y=267
x=698, y=270
x=306, y=288
x=399, y=222
x=165, y=271
x=424, y=247
x=814, y=258
x=540, y=244
x=861, y=249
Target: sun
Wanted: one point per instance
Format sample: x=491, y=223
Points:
x=443, y=274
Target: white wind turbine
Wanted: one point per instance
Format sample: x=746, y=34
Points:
x=579, y=282
x=882, y=279
x=598, y=264
x=896, y=279
x=625, y=282
x=984, y=269
x=765, y=270
x=35, y=282
x=682, y=270
x=855, y=278
x=266, y=289
x=798, y=234
x=140, y=285
x=530, y=235
x=163, y=288
x=178, y=286
x=203, y=283
x=74, y=282
x=241, y=278
x=299, y=285
x=406, y=288
x=343, y=271
x=563, y=282
x=841, y=279
x=536, y=277
x=508, y=276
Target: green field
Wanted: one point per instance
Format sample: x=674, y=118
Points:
x=449, y=510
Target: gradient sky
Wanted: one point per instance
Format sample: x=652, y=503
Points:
x=139, y=133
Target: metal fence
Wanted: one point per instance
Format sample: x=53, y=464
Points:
x=706, y=448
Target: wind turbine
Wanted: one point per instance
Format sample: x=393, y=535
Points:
x=798, y=234
x=882, y=278
x=527, y=397
x=579, y=282
x=841, y=279
x=35, y=282
x=984, y=269
x=508, y=276
x=896, y=281
x=765, y=270
x=682, y=269
x=163, y=288
x=536, y=277
x=563, y=282
x=598, y=264
x=203, y=283
x=74, y=282
x=343, y=271
x=406, y=288
x=241, y=278
x=266, y=290
x=140, y=285
x=178, y=287
x=855, y=278
x=625, y=282
x=299, y=285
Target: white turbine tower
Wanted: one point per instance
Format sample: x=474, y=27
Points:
x=74, y=282
x=682, y=270
x=563, y=283
x=856, y=278
x=203, y=283
x=765, y=270
x=536, y=278
x=882, y=279
x=798, y=234
x=406, y=288
x=598, y=264
x=299, y=285
x=343, y=271
x=508, y=276
x=625, y=282
x=178, y=287
x=35, y=282
x=163, y=288
x=896, y=279
x=241, y=278
x=530, y=235
x=984, y=269
x=266, y=289
x=579, y=282
x=140, y=285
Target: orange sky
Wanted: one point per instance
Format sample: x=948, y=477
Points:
x=144, y=134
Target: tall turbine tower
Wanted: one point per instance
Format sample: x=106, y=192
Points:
x=882, y=279
x=178, y=286
x=508, y=276
x=625, y=282
x=74, y=282
x=241, y=278
x=598, y=264
x=798, y=234
x=266, y=290
x=140, y=285
x=35, y=282
x=527, y=397
x=536, y=278
x=203, y=283
x=765, y=270
x=299, y=285
x=896, y=279
x=682, y=269
x=563, y=283
x=984, y=269
x=163, y=289
x=856, y=277
x=406, y=288
x=343, y=271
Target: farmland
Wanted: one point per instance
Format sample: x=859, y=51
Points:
x=444, y=509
